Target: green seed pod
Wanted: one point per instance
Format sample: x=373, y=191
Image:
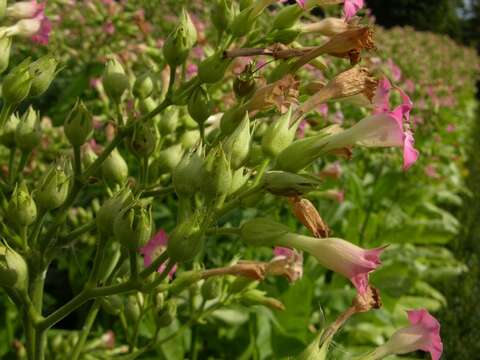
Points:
x=13, y=269
x=187, y=121
x=168, y=159
x=21, y=210
x=284, y=36
x=42, y=72
x=222, y=14
x=230, y=120
x=257, y=297
x=5, y=46
x=143, y=86
x=88, y=156
x=237, y=145
x=16, y=85
x=133, y=225
x=256, y=156
x=239, y=178
x=211, y=288
x=144, y=139
x=53, y=189
x=288, y=184
x=188, y=138
x=28, y=133
x=218, y=174
x=180, y=41
x=212, y=69
x=113, y=304
x=287, y=17
x=242, y=23
x=188, y=174
x=115, y=168
x=159, y=300
x=169, y=120
x=187, y=239
x=132, y=309
x=166, y=316
x=199, y=105
x=110, y=209
x=115, y=82
x=279, y=135
x=262, y=232
x=78, y=126
x=7, y=136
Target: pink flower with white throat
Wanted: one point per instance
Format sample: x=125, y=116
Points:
x=154, y=248
x=422, y=334
x=351, y=7
x=25, y=9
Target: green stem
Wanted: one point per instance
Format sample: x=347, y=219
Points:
x=77, y=162
x=21, y=165
x=232, y=204
x=29, y=335
x=99, y=254
x=133, y=264
x=37, y=226
x=223, y=231
x=11, y=165
x=40, y=337
x=7, y=110
x=158, y=192
x=87, y=326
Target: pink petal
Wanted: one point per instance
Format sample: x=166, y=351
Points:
x=283, y=251
x=351, y=7
x=381, y=101
x=43, y=35
x=410, y=154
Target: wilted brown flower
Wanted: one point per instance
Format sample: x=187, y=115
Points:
x=308, y=215
x=370, y=299
x=281, y=94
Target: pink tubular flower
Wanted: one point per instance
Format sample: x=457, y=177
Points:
x=301, y=3
x=25, y=9
x=395, y=70
x=422, y=334
x=37, y=28
x=154, y=248
x=295, y=261
x=340, y=256
x=351, y=7
x=109, y=28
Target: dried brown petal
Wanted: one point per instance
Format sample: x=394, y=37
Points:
x=308, y=215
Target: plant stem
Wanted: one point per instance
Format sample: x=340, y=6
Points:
x=87, y=326
x=11, y=165
x=133, y=264
x=77, y=162
x=40, y=337
x=158, y=192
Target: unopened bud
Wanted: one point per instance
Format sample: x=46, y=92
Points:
x=166, y=316
x=13, y=269
x=222, y=14
x=88, y=156
x=169, y=120
x=144, y=139
x=279, y=135
x=180, y=41
x=288, y=184
x=16, y=85
x=21, y=210
x=188, y=174
x=7, y=135
x=54, y=187
x=28, y=133
x=143, y=86
x=284, y=36
x=187, y=239
x=242, y=23
x=287, y=17
x=237, y=145
x=115, y=81
x=211, y=288
x=133, y=225
x=132, y=309
x=257, y=297
x=113, y=305
x=262, y=232
x=167, y=160
x=79, y=124
x=231, y=118
x=189, y=138
x=110, y=209
x=115, y=168
x=42, y=72
x=239, y=178
x=5, y=46
x=212, y=69
x=184, y=280
x=217, y=180
x=199, y=105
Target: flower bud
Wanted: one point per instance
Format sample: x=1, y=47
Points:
x=133, y=225
x=257, y=297
x=53, y=189
x=144, y=139
x=169, y=120
x=143, y=86
x=217, y=180
x=188, y=174
x=7, y=136
x=199, y=105
x=237, y=145
x=287, y=17
x=230, y=119
x=28, y=132
x=110, y=209
x=285, y=36
x=43, y=72
x=113, y=304
x=16, y=85
x=212, y=69
x=167, y=160
x=187, y=239
x=239, y=178
x=5, y=46
x=24, y=9
x=21, y=210
x=180, y=41
x=289, y=184
x=168, y=313
x=279, y=135
x=211, y=288
x=189, y=138
x=115, y=168
x=79, y=124
x=115, y=82
x=262, y=232
x=88, y=156
x=13, y=269
x=222, y=13
x=183, y=281
x=242, y=23
x=132, y=309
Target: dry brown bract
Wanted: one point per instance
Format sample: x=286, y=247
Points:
x=280, y=94
x=308, y=215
